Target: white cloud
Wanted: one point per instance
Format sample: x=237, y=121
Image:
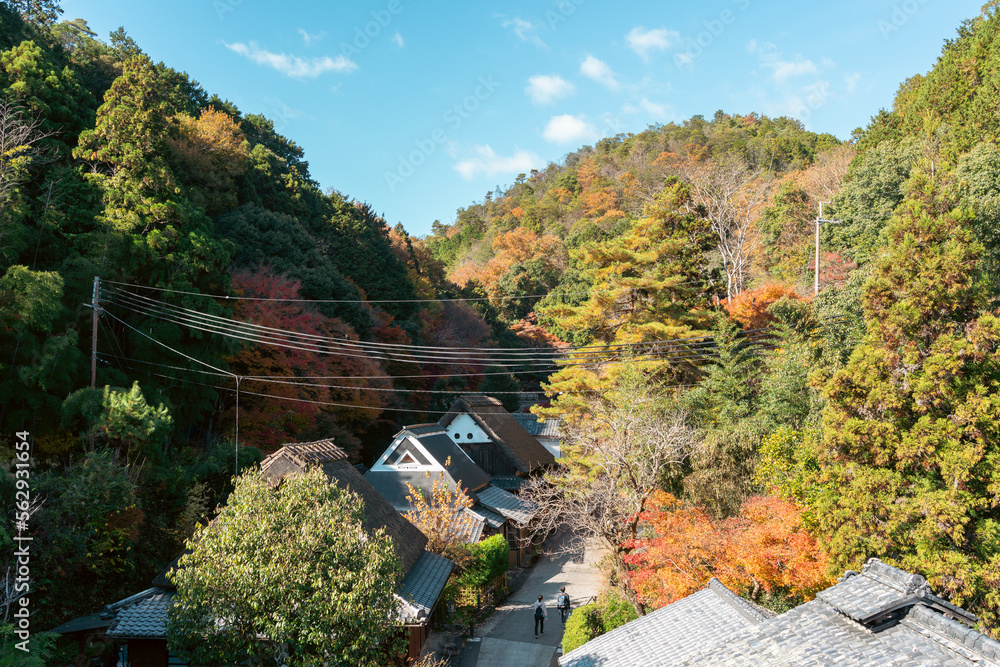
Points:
x=782, y=70
x=293, y=66
x=566, y=129
x=852, y=81
x=486, y=162
x=655, y=111
x=525, y=30
x=599, y=71
x=545, y=88
x=644, y=42
x=397, y=39
x=309, y=38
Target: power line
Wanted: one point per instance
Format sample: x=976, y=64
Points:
x=226, y=297
x=326, y=345
x=147, y=303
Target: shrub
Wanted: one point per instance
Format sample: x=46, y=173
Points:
x=581, y=627
x=593, y=620
x=486, y=561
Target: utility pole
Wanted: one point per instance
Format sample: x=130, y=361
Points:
x=819, y=222
x=95, y=304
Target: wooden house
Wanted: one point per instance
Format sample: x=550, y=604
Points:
x=418, y=454
x=494, y=439
x=138, y=623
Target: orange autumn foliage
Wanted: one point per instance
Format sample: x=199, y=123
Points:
x=764, y=548
x=749, y=307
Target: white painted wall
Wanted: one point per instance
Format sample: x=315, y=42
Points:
x=460, y=428
x=553, y=445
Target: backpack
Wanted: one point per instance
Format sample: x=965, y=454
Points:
x=538, y=612
x=562, y=601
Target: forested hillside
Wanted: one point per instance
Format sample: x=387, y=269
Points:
x=675, y=266
x=865, y=416
x=117, y=167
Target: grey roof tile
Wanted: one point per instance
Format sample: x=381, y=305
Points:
x=423, y=584
x=507, y=482
x=547, y=428
x=143, y=616
x=510, y=506
x=664, y=637
x=492, y=519
x=829, y=630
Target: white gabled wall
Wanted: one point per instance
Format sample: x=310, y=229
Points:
x=463, y=426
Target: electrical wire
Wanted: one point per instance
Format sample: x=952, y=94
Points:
x=226, y=297
x=130, y=299
x=228, y=327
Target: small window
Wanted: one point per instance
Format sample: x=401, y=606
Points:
x=470, y=436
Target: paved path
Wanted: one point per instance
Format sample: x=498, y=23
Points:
x=507, y=638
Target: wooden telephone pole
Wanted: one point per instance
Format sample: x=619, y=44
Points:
x=95, y=304
x=819, y=222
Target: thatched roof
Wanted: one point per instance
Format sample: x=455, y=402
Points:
x=523, y=449
x=408, y=540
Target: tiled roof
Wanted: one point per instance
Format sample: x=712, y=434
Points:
x=517, y=509
x=880, y=616
x=547, y=428
x=142, y=616
x=522, y=448
x=304, y=453
x=507, y=482
x=668, y=635
x=96, y=621
x=472, y=525
x=492, y=519
x=422, y=586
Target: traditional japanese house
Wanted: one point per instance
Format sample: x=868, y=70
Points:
x=421, y=453
x=879, y=616
x=138, y=623
x=495, y=440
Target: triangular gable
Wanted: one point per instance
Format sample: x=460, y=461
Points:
x=407, y=453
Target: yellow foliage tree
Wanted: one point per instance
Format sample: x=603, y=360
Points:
x=440, y=517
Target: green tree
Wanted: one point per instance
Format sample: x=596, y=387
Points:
x=89, y=526
x=910, y=463
x=319, y=585
x=648, y=285
x=720, y=471
x=129, y=421
x=978, y=174
x=39, y=12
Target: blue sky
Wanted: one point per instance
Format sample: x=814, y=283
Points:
x=420, y=108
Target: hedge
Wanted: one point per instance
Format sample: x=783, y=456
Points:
x=593, y=620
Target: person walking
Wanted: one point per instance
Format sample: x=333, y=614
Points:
x=562, y=602
x=541, y=613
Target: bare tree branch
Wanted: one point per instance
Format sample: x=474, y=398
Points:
x=19, y=149
x=630, y=444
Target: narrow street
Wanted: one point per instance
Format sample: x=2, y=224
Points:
x=507, y=638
